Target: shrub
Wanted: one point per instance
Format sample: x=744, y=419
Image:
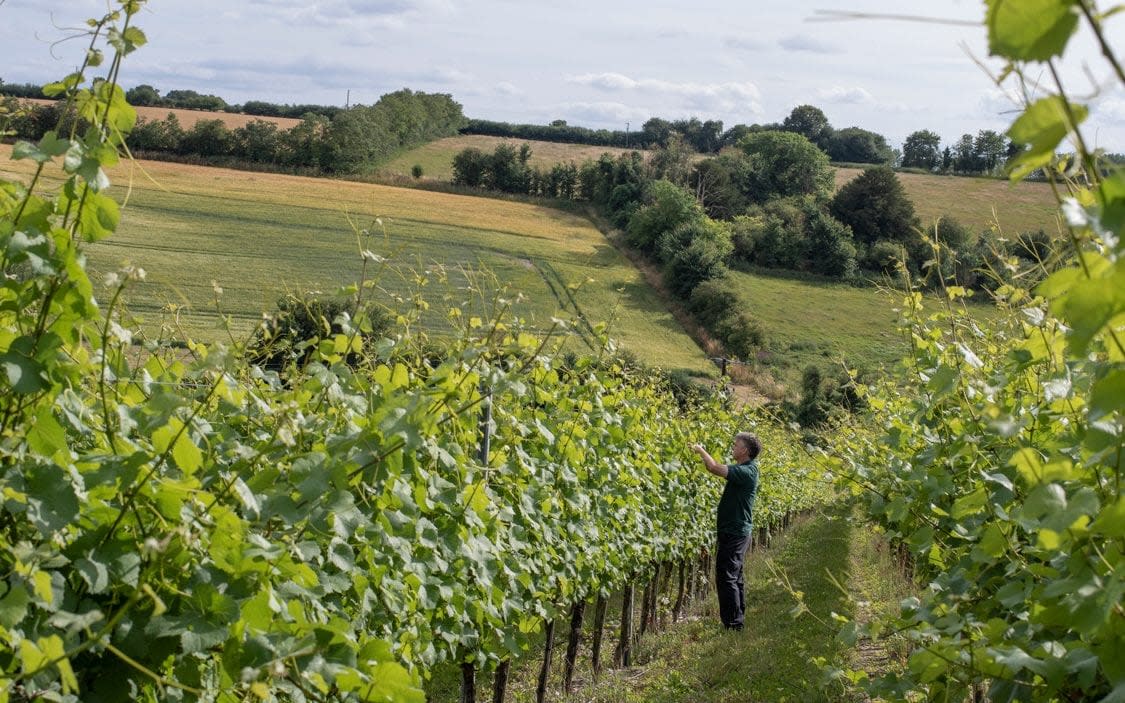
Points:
x=416, y=171
x=694, y=230
x=666, y=207
x=829, y=247
x=288, y=337
x=713, y=300
x=741, y=334
x=875, y=206
x=700, y=261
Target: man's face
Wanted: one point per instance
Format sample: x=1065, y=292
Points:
x=741, y=451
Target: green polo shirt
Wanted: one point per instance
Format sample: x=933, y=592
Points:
x=736, y=507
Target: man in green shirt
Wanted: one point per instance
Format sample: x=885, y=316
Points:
x=735, y=523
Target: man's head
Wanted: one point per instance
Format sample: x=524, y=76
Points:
x=747, y=447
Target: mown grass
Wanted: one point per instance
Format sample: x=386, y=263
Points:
x=257, y=236
x=696, y=661
x=829, y=324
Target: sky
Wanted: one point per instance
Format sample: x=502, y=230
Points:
x=606, y=64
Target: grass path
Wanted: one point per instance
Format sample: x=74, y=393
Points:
x=695, y=661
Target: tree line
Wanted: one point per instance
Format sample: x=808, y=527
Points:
x=351, y=141
x=145, y=95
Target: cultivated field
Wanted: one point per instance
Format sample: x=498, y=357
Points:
x=188, y=118
x=258, y=235
x=436, y=158
x=981, y=203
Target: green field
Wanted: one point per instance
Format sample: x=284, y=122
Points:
x=259, y=235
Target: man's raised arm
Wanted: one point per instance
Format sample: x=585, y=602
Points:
x=713, y=466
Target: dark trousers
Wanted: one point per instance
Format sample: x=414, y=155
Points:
x=728, y=578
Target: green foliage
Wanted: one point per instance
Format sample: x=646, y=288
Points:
x=416, y=171
x=292, y=334
x=861, y=146
x=1000, y=471
x=784, y=164
x=184, y=525
x=811, y=123
x=876, y=207
x=666, y=207
x=701, y=260
x=922, y=149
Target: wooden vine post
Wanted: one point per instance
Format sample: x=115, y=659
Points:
x=576, y=615
x=599, y=626
x=548, y=651
x=500, y=681
x=624, y=653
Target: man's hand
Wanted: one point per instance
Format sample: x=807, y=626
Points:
x=712, y=465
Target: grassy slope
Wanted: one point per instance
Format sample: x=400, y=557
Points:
x=257, y=235
x=822, y=323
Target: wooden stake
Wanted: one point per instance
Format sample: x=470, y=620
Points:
x=500, y=682
x=548, y=650
x=576, y=615
x=599, y=626
x=468, y=683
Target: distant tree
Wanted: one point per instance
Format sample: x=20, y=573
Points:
x=717, y=184
x=656, y=131
x=672, y=161
x=699, y=261
x=964, y=155
x=734, y=135
x=666, y=207
x=306, y=144
x=830, y=250
x=855, y=145
x=157, y=135
x=191, y=100
x=875, y=206
x=946, y=159
x=782, y=164
x=257, y=140
x=207, y=138
x=469, y=167
x=696, y=229
x=922, y=149
x=416, y=171
x=558, y=123
x=143, y=95
x=989, y=149
x=810, y=122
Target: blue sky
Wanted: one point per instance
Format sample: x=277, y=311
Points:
x=598, y=64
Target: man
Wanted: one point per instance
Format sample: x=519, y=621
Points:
x=735, y=523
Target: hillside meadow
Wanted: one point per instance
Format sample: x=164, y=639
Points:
x=256, y=236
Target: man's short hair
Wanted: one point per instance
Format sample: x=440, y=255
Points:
x=751, y=442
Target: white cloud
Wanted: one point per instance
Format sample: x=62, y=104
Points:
x=604, y=113
x=798, y=42
x=618, y=82
x=506, y=88
x=839, y=94
x=743, y=43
